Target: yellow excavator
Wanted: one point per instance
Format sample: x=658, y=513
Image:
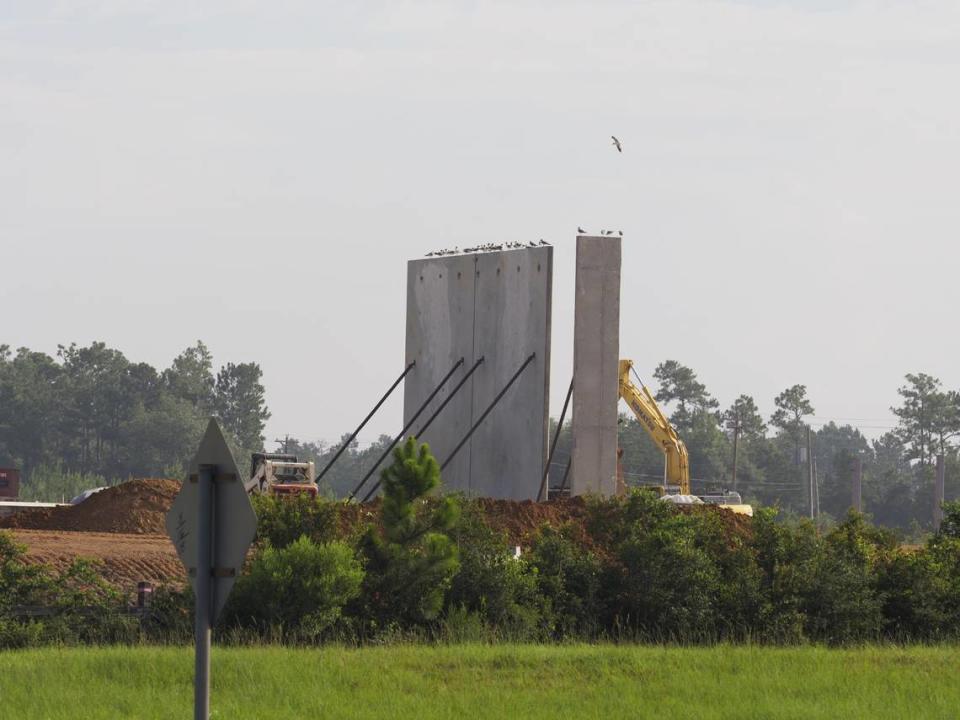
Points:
x=676, y=485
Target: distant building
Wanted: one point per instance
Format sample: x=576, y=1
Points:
x=9, y=483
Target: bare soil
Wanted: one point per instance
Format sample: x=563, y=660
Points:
x=126, y=559
x=133, y=507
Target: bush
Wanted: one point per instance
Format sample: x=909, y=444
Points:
x=301, y=588
x=842, y=603
x=283, y=519
x=568, y=579
x=492, y=587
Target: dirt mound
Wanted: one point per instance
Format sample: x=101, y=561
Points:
x=522, y=519
x=135, y=507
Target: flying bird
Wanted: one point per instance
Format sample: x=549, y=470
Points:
x=616, y=143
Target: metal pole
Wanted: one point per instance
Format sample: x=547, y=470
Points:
x=736, y=444
x=938, y=492
x=365, y=421
x=566, y=473
x=456, y=389
x=857, y=498
x=810, y=468
x=403, y=432
x=553, y=447
x=816, y=488
x=204, y=597
x=489, y=409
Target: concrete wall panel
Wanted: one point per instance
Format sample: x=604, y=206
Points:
x=514, y=290
x=440, y=307
x=497, y=306
x=596, y=354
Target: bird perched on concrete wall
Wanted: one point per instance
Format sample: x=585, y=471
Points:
x=580, y=230
x=616, y=143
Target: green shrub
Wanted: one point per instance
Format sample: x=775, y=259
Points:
x=568, y=579
x=20, y=583
x=842, y=603
x=492, y=586
x=283, y=519
x=300, y=588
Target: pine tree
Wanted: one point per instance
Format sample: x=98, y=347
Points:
x=410, y=566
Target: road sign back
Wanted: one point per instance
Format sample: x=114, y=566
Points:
x=233, y=521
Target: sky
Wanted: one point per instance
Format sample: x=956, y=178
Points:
x=256, y=175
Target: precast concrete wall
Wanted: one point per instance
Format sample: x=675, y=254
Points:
x=495, y=306
x=596, y=356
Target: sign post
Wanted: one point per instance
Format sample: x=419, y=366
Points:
x=212, y=524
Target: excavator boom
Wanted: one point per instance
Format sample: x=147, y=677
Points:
x=658, y=427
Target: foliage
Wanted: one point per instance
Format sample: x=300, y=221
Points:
x=301, y=588
x=239, y=401
x=283, y=519
x=411, y=565
x=92, y=412
x=491, y=585
x=679, y=383
x=83, y=608
x=792, y=406
x=568, y=579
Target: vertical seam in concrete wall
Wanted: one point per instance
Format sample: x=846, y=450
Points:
x=473, y=359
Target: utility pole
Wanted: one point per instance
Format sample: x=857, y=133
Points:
x=810, y=469
x=737, y=427
x=856, y=494
x=816, y=489
x=938, y=491
x=286, y=444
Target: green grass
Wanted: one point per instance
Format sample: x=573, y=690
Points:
x=476, y=681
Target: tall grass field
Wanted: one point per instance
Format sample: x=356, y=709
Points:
x=481, y=681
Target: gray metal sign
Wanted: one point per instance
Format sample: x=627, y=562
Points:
x=212, y=524
x=234, y=523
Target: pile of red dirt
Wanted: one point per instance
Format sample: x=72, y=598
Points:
x=521, y=520
x=135, y=507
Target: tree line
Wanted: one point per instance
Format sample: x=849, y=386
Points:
x=90, y=416
x=772, y=469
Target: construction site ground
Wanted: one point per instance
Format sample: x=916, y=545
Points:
x=126, y=558
x=123, y=528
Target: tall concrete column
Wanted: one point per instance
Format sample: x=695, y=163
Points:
x=596, y=356
x=938, y=492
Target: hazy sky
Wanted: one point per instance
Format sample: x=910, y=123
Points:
x=257, y=175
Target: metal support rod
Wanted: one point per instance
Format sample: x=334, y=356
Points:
x=566, y=474
x=403, y=432
x=365, y=421
x=553, y=446
x=456, y=389
x=204, y=598
x=488, y=410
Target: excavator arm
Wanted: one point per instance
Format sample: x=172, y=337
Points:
x=658, y=428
